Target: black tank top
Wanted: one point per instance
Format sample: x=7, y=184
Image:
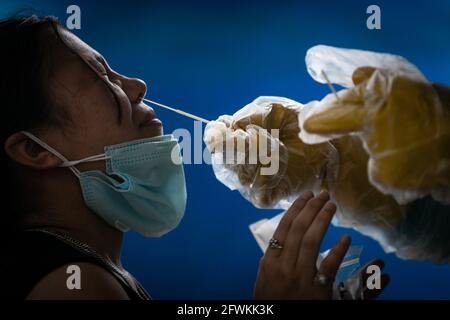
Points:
x=33, y=254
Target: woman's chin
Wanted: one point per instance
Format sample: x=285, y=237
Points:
x=154, y=130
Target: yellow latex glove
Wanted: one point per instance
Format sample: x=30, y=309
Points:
x=300, y=164
x=403, y=122
x=361, y=204
x=340, y=166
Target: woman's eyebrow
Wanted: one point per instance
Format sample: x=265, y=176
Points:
x=101, y=59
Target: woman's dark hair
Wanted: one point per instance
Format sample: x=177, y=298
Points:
x=26, y=61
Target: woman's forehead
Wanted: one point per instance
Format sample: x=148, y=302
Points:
x=77, y=73
x=80, y=47
x=79, y=57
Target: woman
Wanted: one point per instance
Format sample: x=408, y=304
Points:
x=63, y=102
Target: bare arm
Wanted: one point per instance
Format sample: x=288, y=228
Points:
x=96, y=283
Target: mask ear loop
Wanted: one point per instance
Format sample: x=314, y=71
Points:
x=66, y=162
x=97, y=157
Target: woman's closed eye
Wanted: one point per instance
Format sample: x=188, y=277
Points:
x=101, y=66
x=108, y=74
x=116, y=81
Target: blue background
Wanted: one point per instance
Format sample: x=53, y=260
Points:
x=212, y=58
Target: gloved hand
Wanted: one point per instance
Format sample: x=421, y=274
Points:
x=339, y=166
x=299, y=164
x=403, y=121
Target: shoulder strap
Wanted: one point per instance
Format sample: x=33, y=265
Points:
x=35, y=253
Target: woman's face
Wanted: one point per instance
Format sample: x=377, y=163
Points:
x=104, y=106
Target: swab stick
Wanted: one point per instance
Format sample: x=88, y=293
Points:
x=330, y=85
x=186, y=114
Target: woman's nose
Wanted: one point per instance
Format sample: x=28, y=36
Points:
x=134, y=88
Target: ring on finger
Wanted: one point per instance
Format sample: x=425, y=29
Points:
x=275, y=244
x=323, y=280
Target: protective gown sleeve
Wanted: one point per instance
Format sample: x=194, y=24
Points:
x=340, y=166
x=402, y=119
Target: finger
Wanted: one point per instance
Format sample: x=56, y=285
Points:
x=300, y=226
x=344, y=114
x=333, y=260
x=444, y=95
x=285, y=222
x=371, y=294
x=310, y=246
x=363, y=271
x=343, y=117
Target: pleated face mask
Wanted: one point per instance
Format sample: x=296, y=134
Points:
x=144, y=186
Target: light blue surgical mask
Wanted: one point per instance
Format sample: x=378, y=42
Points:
x=144, y=186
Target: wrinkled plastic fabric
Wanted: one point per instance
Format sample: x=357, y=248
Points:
x=403, y=121
x=339, y=64
x=299, y=164
x=338, y=165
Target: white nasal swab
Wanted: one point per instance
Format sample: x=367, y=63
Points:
x=331, y=86
x=186, y=114
x=190, y=115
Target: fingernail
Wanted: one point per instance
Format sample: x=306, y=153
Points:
x=331, y=206
x=345, y=238
x=323, y=195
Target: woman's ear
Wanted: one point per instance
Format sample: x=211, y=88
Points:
x=26, y=152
